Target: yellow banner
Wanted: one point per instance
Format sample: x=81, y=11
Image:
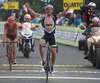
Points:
x=11, y=6
x=75, y=4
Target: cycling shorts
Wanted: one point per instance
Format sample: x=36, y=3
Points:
x=11, y=37
x=49, y=38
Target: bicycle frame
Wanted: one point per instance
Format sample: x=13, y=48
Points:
x=49, y=60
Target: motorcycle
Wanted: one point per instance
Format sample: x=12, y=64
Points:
x=93, y=52
x=26, y=40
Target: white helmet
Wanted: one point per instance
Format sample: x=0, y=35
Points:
x=95, y=20
x=49, y=6
x=92, y=4
x=27, y=16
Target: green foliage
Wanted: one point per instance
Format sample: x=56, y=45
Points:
x=38, y=6
x=58, y=5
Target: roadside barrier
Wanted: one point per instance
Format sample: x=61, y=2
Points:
x=64, y=34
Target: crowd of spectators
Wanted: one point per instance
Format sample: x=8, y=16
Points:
x=74, y=20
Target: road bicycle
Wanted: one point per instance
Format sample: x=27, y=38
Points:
x=48, y=67
x=10, y=53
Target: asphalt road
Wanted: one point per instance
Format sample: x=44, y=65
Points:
x=70, y=67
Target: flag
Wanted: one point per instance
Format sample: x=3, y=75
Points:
x=24, y=8
x=69, y=11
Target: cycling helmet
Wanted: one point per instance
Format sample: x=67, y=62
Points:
x=27, y=16
x=92, y=4
x=11, y=19
x=49, y=6
x=95, y=20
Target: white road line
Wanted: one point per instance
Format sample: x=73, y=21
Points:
x=39, y=77
x=56, y=71
x=0, y=40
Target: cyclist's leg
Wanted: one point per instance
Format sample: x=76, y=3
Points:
x=7, y=45
x=42, y=42
x=52, y=43
x=14, y=54
x=13, y=37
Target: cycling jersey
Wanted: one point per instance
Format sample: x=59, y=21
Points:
x=11, y=30
x=54, y=18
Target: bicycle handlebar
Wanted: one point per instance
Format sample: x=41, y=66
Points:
x=8, y=42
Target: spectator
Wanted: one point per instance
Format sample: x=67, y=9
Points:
x=63, y=21
x=35, y=20
x=21, y=17
x=78, y=20
x=72, y=18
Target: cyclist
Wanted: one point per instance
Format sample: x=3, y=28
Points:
x=48, y=22
x=27, y=22
x=10, y=33
x=95, y=23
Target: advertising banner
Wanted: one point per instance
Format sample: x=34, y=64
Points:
x=75, y=4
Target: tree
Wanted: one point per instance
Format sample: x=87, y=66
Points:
x=58, y=5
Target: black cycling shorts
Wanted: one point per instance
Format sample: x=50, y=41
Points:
x=11, y=37
x=49, y=38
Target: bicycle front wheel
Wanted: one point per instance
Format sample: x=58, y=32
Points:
x=47, y=68
x=47, y=64
x=10, y=58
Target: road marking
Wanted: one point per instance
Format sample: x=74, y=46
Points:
x=56, y=71
x=40, y=77
x=37, y=65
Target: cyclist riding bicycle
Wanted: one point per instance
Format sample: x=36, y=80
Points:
x=95, y=23
x=10, y=33
x=27, y=22
x=48, y=22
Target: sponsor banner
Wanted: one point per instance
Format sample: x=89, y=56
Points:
x=11, y=5
x=75, y=4
x=63, y=34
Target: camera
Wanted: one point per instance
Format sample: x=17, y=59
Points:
x=84, y=8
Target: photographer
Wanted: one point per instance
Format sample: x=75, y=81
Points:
x=88, y=12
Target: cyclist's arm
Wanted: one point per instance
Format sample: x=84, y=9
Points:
x=17, y=31
x=32, y=11
x=64, y=12
x=16, y=26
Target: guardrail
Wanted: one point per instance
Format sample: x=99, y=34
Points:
x=65, y=35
